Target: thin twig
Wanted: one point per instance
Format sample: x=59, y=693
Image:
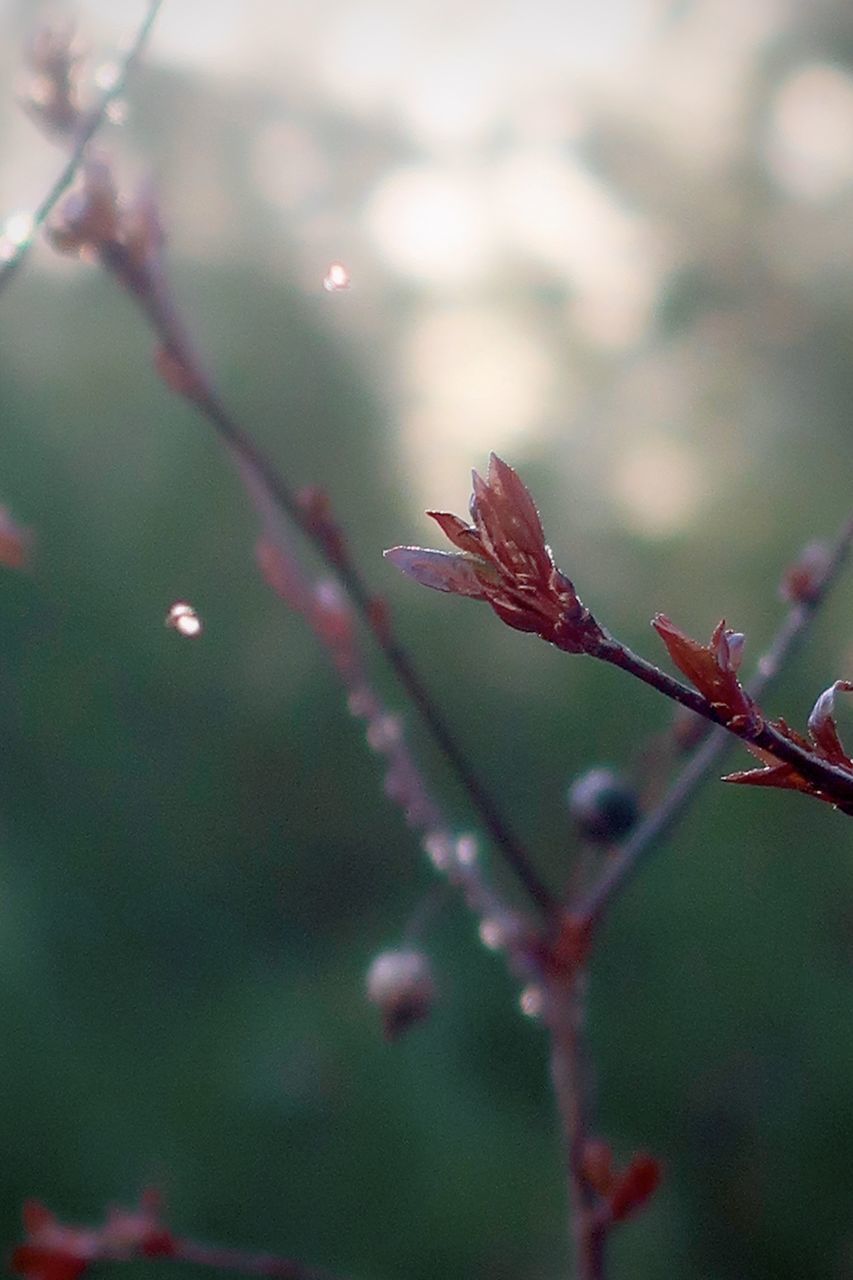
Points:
x=152, y=293
x=565, y=1009
x=570, y=1076
x=331, y=616
x=834, y=782
x=89, y=126
x=252, y=1264
x=57, y=1250
x=659, y=822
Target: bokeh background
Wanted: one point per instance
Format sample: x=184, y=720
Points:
x=612, y=242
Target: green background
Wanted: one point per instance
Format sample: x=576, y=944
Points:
x=197, y=863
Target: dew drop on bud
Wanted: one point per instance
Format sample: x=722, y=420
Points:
x=439, y=850
x=531, y=1002
x=491, y=934
x=107, y=76
x=384, y=732
x=183, y=618
x=359, y=703
x=117, y=111
x=466, y=850
x=336, y=278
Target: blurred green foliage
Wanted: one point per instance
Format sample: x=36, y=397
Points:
x=197, y=863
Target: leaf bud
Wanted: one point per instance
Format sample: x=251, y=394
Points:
x=401, y=985
x=602, y=805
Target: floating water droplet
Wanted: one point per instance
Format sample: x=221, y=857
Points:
x=184, y=619
x=531, y=1002
x=336, y=278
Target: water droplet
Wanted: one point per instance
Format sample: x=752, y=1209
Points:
x=491, y=934
x=183, y=618
x=531, y=1002
x=336, y=278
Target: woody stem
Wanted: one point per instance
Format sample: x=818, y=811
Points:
x=835, y=783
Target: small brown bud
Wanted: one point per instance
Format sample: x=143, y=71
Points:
x=802, y=580
x=88, y=218
x=401, y=985
x=51, y=94
x=603, y=806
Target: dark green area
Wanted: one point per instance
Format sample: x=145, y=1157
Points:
x=197, y=863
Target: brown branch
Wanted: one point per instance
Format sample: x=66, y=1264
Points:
x=503, y=559
x=836, y=783
x=564, y=1014
x=330, y=615
x=250, y=1264
x=657, y=824
x=89, y=125
x=56, y=1250
x=185, y=374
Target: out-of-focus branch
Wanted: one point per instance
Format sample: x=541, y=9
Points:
x=88, y=125
x=330, y=615
x=136, y=261
x=56, y=1250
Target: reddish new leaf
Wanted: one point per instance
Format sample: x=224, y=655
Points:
x=15, y=542
x=635, y=1186
x=441, y=570
x=823, y=742
x=711, y=668
x=46, y=1264
x=505, y=561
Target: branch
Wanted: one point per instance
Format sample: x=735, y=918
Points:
x=250, y=1264
x=564, y=1014
x=55, y=1250
x=329, y=613
x=836, y=783
x=128, y=241
x=87, y=127
x=657, y=824
x=504, y=560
